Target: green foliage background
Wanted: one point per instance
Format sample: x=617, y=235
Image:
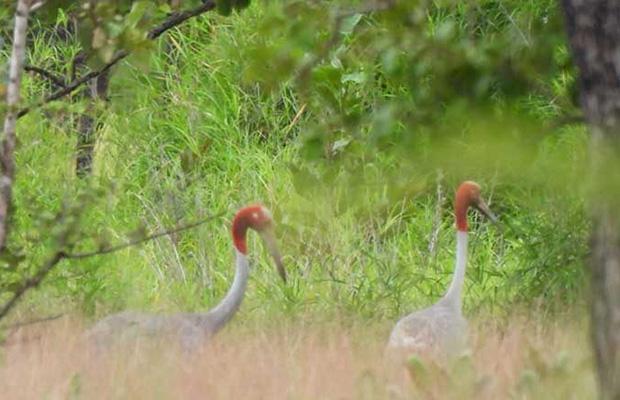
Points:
x=338, y=120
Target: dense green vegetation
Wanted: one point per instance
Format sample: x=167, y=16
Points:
x=339, y=126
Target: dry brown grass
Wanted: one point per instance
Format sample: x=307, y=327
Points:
x=519, y=359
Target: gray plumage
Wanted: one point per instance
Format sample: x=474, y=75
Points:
x=190, y=331
x=439, y=326
x=442, y=325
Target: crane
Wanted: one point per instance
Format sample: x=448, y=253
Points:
x=442, y=325
x=192, y=330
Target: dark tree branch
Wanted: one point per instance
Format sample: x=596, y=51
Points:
x=42, y=272
x=178, y=18
x=172, y=21
x=31, y=283
x=71, y=87
x=56, y=80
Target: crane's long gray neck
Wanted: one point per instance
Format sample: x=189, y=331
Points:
x=215, y=319
x=453, y=296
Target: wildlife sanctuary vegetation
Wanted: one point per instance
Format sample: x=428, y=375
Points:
x=135, y=131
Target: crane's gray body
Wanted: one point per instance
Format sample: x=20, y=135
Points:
x=435, y=327
x=188, y=330
x=442, y=325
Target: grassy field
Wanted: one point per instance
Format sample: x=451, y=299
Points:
x=189, y=135
x=521, y=359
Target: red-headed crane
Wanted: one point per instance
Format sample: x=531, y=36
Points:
x=442, y=325
x=192, y=330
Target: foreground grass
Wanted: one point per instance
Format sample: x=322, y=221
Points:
x=520, y=359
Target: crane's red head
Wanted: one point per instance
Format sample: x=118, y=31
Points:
x=258, y=218
x=468, y=194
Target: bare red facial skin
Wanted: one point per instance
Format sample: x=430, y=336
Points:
x=467, y=194
x=255, y=217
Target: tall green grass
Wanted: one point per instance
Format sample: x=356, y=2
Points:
x=190, y=136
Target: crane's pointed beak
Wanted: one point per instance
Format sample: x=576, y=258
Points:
x=270, y=242
x=484, y=208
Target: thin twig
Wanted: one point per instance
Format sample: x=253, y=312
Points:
x=513, y=22
x=178, y=18
x=292, y=124
x=171, y=22
x=173, y=245
x=71, y=87
x=112, y=249
x=56, y=80
x=31, y=322
x=60, y=255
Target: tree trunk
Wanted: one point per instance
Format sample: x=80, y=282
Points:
x=594, y=33
x=9, y=138
x=88, y=127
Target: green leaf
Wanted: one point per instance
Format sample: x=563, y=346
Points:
x=358, y=77
x=12, y=259
x=445, y=31
x=383, y=123
x=138, y=9
x=105, y=10
x=349, y=23
x=340, y=144
x=107, y=52
x=115, y=29
x=328, y=75
x=141, y=58
x=336, y=63
x=99, y=38
x=165, y=8
x=390, y=60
